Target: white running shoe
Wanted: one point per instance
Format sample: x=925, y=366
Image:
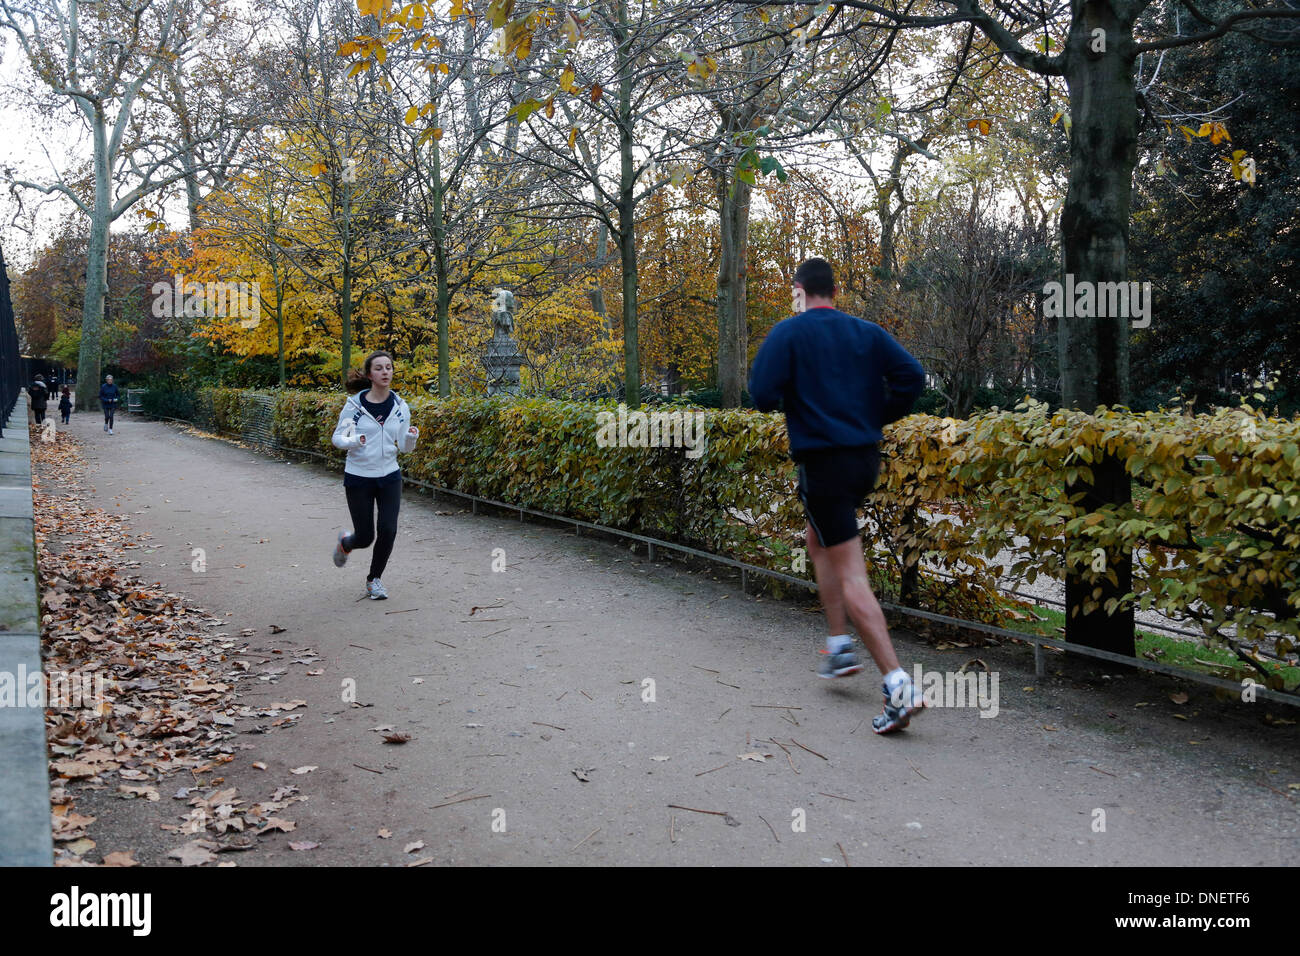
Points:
x=375, y=589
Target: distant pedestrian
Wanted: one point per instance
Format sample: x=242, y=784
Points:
x=373, y=427
x=65, y=404
x=40, y=396
x=108, y=402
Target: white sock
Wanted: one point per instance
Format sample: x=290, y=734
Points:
x=838, y=643
x=897, y=678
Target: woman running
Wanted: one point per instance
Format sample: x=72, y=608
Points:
x=373, y=427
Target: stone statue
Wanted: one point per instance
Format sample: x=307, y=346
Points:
x=503, y=358
x=503, y=312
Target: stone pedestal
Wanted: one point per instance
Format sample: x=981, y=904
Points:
x=502, y=362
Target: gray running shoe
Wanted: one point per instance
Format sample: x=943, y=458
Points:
x=376, y=590
x=340, y=552
x=900, y=708
x=839, y=665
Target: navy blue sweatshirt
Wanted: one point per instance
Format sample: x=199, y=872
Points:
x=839, y=380
x=108, y=394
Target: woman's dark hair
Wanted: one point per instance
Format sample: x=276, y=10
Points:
x=360, y=381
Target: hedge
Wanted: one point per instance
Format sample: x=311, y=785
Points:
x=1214, y=524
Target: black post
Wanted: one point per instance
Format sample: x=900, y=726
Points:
x=10, y=362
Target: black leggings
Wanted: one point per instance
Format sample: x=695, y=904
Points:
x=361, y=502
x=108, y=414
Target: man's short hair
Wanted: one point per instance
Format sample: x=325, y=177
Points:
x=816, y=277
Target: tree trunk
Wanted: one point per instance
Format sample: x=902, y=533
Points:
x=627, y=215
x=1094, y=233
x=440, y=267
x=345, y=296
x=92, y=312
x=733, y=327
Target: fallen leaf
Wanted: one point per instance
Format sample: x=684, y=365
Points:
x=1178, y=697
x=73, y=769
x=754, y=755
x=412, y=847
x=147, y=792
x=661, y=758
x=1048, y=727
x=121, y=858
x=303, y=845
x=291, y=705
x=384, y=833
x=258, y=765
x=276, y=628
x=581, y=775
x=195, y=853
x=301, y=770
x=275, y=823
x=396, y=738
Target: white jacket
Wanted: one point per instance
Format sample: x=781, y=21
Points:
x=378, y=456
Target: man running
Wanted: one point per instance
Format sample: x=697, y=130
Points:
x=108, y=395
x=840, y=380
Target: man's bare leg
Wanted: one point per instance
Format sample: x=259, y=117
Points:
x=828, y=586
x=859, y=602
x=843, y=586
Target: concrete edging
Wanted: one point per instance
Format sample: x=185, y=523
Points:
x=25, y=834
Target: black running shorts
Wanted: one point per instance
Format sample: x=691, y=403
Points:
x=833, y=483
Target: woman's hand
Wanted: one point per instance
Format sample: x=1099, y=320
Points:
x=361, y=439
x=413, y=432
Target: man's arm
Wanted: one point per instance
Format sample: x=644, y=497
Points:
x=904, y=376
x=771, y=372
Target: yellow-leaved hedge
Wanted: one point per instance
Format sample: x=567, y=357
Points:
x=1214, y=524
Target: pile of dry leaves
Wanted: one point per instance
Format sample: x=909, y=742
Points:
x=166, y=722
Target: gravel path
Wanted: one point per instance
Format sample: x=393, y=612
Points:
x=515, y=685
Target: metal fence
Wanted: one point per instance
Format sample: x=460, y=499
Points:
x=11, y=366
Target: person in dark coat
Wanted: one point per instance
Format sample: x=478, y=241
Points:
x=40, y=396
x=108, y=395
x=65, y=404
